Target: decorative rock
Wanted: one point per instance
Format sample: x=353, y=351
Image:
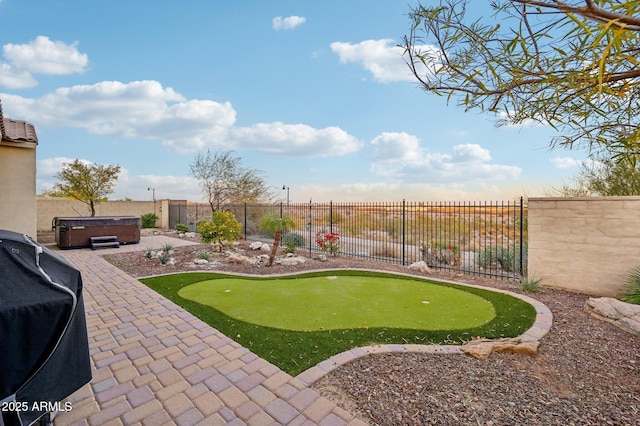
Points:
x=240, y=259
x=321, y=258
x=265, y=247
x=483, y=348
x=292, y=261
x=200, y=261
x=255, y=245
x=420, y=266
x=623, y=315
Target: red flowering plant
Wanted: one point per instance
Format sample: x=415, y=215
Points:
x=328, y=242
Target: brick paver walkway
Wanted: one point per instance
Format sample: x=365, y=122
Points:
x=156, y=364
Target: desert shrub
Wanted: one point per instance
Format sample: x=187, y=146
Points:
x=167, y=248
x=298, y=238
x=149, y=253
x=506, y=258
x=388, y=251
x=630, y=293
x=436, y=253
x=164, y=257
x=181, y=227
x=530, y=285
x=203, y=254
x=148, y=220
x=222, y=228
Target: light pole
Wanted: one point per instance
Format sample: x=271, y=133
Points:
x=287, y=188
x=154, y=199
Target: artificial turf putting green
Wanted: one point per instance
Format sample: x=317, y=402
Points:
x=339, y=302
x=295, y=351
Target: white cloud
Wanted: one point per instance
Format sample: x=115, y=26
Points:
x=399, y=156
x=380, y=57
x=146, y=110
x=140, y=109
x=288, y=23
x=40, y=56
x=565, y=162
x=43, y=56
x=295, y=140
x=51, y=166
x=12, y=78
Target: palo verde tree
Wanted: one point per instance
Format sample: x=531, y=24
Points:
x=573, y=65
x=86, y=182
x=223, y=180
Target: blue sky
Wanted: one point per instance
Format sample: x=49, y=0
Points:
x=313, y=94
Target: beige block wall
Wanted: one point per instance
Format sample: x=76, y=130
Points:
x=48, y=208
x=586, y=245
x=18, y=187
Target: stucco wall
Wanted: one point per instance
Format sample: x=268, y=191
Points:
x=48, y=208
x=18, y=187
x=584, y=244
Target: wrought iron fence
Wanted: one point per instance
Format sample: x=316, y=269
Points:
x=473, y=238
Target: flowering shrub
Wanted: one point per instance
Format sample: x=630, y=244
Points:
x=223, y=227
x=328, y=242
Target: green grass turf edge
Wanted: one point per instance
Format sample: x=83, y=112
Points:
x=295, y=351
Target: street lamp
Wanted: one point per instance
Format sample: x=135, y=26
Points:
x=154, y=199
x=287, y=188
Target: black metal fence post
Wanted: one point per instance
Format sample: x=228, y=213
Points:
x=521, y=236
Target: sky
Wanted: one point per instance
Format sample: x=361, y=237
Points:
x=314, y=95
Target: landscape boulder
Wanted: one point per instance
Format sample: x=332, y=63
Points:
x=240, y=259
x=420, y=266
x=291, y=260
x=483, y=348
x=621, y=314
x=256, y=245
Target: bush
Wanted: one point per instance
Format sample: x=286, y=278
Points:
x=530, y=285
x=292, y=242
x=328, y=242
x=505, y=258
x=181, y=227
x=223, y=227
x=148, y=220
x=631, y=291
x=203, y=254
x=436, y=253
x=164, y=257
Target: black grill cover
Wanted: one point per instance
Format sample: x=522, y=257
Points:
x=44, y=350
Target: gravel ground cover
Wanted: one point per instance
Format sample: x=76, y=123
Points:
x=586, y=372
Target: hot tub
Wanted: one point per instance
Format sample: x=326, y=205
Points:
x=79, y=232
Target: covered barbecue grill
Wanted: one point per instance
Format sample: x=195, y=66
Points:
x=44, y=350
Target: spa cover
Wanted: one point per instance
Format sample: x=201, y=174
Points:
x=44, y=350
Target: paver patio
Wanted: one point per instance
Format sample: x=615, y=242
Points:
x=156, y=364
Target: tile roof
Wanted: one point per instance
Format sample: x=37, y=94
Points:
x=16, y=130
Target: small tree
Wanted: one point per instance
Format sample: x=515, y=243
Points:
x=223, y=227
x=276, y=225
x=85, y=182
x=223, y=180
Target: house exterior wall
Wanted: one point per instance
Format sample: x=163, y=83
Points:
x=587, y=245
x=18, y=187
